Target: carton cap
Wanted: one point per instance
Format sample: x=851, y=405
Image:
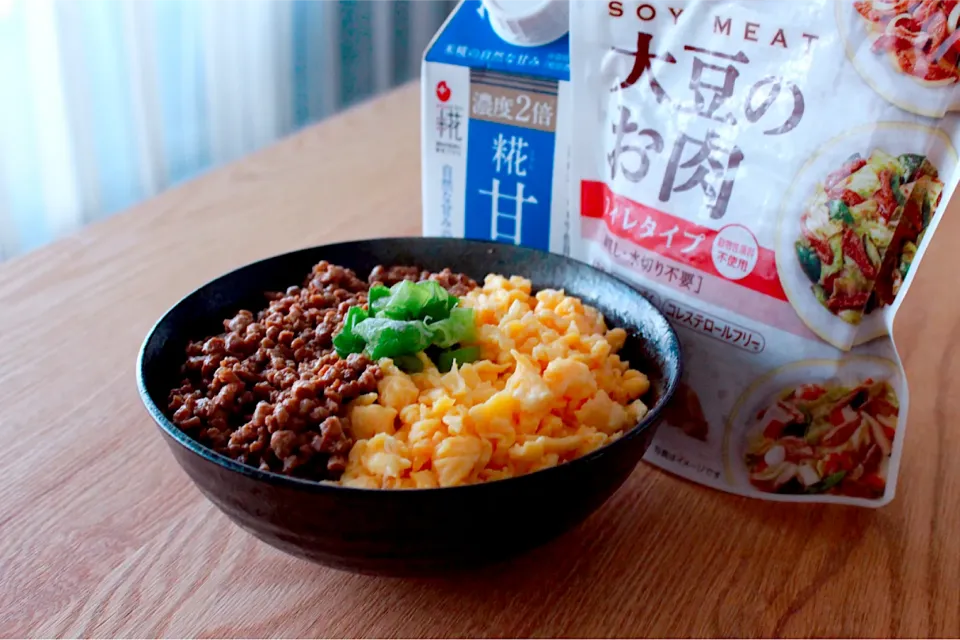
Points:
x=528, y=23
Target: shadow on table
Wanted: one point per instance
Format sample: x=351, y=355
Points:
x=659, y=547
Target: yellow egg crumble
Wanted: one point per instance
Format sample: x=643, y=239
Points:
x=549, y=388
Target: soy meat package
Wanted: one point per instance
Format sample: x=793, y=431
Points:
x=769, y=174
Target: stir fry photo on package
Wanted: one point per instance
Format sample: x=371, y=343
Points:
x=770, y=174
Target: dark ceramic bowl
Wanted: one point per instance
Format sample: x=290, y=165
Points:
x=423, y=530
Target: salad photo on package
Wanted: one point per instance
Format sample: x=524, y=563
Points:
x=864, y=209
x=906, y=51
x=820, y=429
x=851, y=224
x=919, y=36
x=825, y=438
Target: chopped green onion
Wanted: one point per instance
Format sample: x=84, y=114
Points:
x=388, y=338
x=404, y=320
x=377, y=292
x=461, y=356
x=409, y=363
x=459, y=327
x=413, y=301
x=347, y=342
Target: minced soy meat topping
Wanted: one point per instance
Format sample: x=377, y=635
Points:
x=270, y=391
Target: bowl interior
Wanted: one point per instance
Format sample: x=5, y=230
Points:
x=652, y=345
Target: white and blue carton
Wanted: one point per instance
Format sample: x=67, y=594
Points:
x=495, y=140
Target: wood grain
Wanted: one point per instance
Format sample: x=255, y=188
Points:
x=102, y=535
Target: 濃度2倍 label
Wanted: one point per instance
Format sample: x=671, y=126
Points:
x=495, y=141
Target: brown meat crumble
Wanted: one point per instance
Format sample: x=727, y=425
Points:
x=270, y=391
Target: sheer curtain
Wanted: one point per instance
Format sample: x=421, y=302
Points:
x=106, y=102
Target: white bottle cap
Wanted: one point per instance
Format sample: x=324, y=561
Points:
x=528, y=23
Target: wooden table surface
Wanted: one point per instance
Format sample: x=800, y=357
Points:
x=101, y=534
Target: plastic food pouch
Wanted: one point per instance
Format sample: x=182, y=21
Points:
x=769, y=174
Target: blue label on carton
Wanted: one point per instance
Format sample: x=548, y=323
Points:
x=509, y=169
x=496, y=156
x=467, y=39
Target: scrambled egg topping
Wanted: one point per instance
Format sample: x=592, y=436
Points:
x=548, y=388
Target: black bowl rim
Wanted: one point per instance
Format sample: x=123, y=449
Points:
x=314, y=486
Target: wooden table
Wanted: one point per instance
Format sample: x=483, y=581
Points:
x=102, y=534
